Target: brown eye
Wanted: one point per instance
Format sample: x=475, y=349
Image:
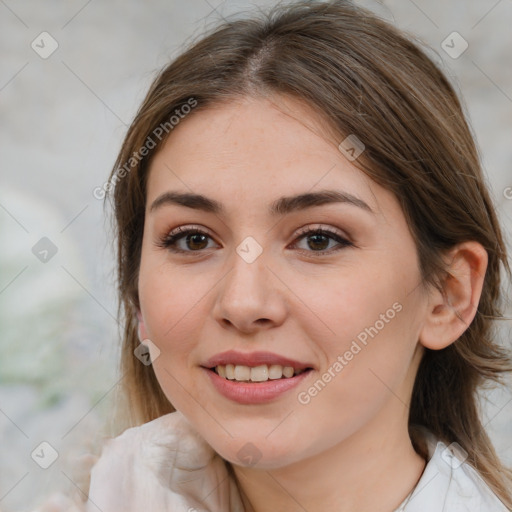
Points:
x=185, y=240
x=318, y=241
x=197, y=241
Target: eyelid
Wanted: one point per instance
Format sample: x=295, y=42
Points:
x=322, y=227
x=188, y=227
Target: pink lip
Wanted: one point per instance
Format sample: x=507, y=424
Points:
x=253, y=359
x=256, y=392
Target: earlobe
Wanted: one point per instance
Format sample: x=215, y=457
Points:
x=451, y=310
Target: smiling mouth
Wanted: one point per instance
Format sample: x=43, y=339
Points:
x=261, y=373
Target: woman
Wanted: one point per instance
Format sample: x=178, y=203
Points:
x=309, y=263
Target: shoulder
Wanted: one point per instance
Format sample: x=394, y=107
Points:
x=152, y=443
x=161, y=465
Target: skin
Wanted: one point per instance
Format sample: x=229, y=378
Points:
x=348, y=449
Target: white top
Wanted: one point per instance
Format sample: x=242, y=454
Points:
x=448, y=484
x=165, y=465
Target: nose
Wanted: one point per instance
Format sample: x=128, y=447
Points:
x=250, y=297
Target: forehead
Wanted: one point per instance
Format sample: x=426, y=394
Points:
x=253, y=151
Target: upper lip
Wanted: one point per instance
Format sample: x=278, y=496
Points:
x=253, y=359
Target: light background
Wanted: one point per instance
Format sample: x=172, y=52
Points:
x=62, y=122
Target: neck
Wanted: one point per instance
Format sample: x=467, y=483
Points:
x=373, y=469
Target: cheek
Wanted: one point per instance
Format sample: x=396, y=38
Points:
x=170, y=312
x=169, y=303
x=358, y=303
x=173, y=311
x=370, y=330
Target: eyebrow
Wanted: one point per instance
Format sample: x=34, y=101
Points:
x=281, y=206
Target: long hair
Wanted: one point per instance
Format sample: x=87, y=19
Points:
x=367, y=78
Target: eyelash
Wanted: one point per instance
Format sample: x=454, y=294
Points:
x=169, y=241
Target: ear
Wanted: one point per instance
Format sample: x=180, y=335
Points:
x=451, y=311
x=142, y=332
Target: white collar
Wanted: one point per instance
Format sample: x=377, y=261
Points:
x=450, y=484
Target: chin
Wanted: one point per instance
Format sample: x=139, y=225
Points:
x=259, y=453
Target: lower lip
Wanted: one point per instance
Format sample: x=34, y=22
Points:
x=254, y=393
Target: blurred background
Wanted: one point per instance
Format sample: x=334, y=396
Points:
x=72, y=75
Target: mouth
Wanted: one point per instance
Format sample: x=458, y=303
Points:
x=255, y=377
x=260, y=373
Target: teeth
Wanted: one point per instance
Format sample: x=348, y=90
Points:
x=275, y=371
x=260, y=373
x=230, y=371
x=288, y=371
x=242, y=372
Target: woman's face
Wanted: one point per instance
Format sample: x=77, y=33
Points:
x=262, y=289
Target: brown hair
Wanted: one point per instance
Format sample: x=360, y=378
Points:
x=365, y=78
